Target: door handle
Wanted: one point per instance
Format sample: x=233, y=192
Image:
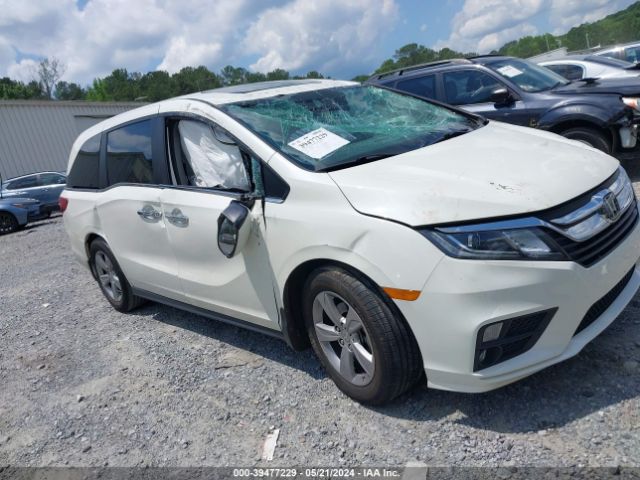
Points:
x=177, y=218
x=149, y=213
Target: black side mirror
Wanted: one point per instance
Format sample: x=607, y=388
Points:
x=233, y=228
x=501, y=96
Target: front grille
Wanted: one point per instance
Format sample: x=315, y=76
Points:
x=605, y=302
x=517, y=335
x=592, y=250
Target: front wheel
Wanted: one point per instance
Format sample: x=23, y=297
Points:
x=366, y=348
x=8, y=223
x=590, y=137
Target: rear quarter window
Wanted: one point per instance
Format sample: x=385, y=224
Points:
x=85, y=171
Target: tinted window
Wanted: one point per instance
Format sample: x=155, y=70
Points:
x=129, y=154
x=632, y=54
x=26, y=182
x=423, y=86
x=86, y=167
x=51, y=179
x=469, y=86
x=570, y=72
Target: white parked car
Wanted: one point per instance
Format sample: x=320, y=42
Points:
x=629, y=52
x=576, y=67
x=399, y=237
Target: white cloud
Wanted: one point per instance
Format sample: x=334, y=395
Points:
x=565, y=14
x=307, y=34
x=171, y=34
x=483, y=25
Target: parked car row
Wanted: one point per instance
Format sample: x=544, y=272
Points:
x=28, y=198
x=602, y=113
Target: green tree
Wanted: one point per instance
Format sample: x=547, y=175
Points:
x=189, y=80
x=69, y=91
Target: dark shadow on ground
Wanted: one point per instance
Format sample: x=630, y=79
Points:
x=258, y=343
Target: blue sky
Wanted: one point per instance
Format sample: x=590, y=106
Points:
x=340, y=38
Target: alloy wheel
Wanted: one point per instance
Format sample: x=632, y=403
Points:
x=108, y=277
x=343, y=338
x=7, y=223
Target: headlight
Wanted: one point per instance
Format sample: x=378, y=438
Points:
x=632, y=102
x=508, y=244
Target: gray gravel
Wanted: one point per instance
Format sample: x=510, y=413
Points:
x=83, y=385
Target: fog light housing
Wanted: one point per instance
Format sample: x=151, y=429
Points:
x=500, y=341
x=629, y=136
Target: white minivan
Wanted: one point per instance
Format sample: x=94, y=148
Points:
x=399, y=237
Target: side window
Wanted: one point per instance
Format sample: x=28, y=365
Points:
x=573, y=72
x=631, y=54
x=129, y=154
x=559, y=69
x=85, y=171
x=207, y=158
x=469, y=86
x=26, y=182
x=51, y=179
x=423, y=86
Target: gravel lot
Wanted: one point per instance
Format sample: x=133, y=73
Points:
x=83, y=385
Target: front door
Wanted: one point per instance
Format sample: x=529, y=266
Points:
x=209, y=174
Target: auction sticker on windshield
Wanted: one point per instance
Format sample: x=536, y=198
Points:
x=509, y=71
x=318, y=143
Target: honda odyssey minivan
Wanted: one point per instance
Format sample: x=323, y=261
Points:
x=399, y=237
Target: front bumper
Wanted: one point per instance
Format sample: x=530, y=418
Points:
x=461, y=296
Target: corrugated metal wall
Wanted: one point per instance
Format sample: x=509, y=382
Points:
x=37, y=135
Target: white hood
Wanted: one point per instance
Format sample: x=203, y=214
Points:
x=494, y=171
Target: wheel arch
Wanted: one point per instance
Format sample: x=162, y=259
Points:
x=583, y=123
x=293, y=326
x=88, y=240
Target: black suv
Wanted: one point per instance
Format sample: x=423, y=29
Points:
x=602, y=113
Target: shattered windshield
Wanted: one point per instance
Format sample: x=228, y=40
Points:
x=339, y=127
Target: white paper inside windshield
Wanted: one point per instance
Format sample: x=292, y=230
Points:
x=319, y=143
x=509, y=71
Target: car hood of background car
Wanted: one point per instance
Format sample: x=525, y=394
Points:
x=497, y=170
x=614, y=86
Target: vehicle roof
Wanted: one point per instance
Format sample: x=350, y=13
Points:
x=617, y=47
x=401, y=71
x=218, y=96
x=478, y=60
x=611, y=62
x=31, y=174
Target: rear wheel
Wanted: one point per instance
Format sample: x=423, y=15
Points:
x=589, y=136
x=8, y=223
x=111, y=280
x=366, y=348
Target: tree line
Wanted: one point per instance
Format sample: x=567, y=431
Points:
x=122, y=85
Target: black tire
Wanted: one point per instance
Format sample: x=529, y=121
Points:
x=590, y=136
x=125, y=302
x=396, y=357
x=8, y=223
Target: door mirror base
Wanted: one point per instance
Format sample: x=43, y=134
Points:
x=501, y=96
